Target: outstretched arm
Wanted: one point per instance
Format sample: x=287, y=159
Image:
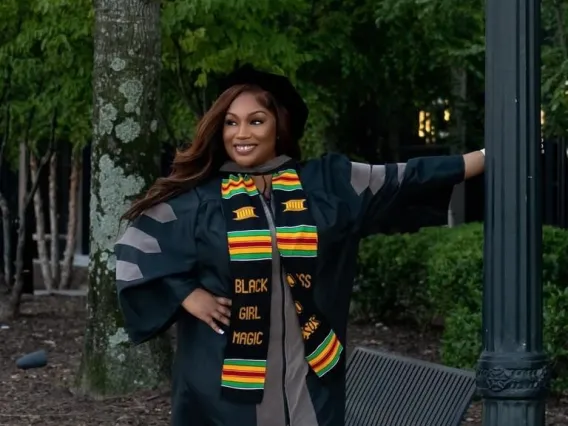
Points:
x=398, y=197
x=403, y=196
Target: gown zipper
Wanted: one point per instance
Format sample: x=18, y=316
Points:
x=286, y=407
x=271, y=225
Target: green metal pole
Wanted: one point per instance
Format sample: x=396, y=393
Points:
x=513, y=372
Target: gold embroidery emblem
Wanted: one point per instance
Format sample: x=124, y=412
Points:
x=310, y=327
x=294, y=205
x=244, y=213
x=291, y=280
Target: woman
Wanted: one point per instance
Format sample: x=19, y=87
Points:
x=253, y=253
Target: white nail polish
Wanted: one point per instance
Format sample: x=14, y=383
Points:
x=221, y=331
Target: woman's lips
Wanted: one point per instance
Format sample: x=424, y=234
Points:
x=244, y=149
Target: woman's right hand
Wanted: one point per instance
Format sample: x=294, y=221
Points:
x=208, y=308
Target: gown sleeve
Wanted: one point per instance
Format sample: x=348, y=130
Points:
x=397, y=197
x=155, y=269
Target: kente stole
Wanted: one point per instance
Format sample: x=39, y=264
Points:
x=250, y=251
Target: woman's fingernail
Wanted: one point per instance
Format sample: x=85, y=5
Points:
x=221, y=331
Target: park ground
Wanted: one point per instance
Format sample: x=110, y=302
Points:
x=43, y=397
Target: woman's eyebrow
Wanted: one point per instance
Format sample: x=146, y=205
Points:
x=252, y=113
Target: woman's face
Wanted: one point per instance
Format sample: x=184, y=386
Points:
x=249, y=132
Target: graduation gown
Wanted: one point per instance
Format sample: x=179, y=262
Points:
x=181, y=245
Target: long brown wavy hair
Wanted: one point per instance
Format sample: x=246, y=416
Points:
x=206, y=154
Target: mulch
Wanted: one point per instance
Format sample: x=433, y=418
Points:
x=45, y=397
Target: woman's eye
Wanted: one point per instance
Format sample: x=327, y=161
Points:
x=229, y=122
x=256, y=122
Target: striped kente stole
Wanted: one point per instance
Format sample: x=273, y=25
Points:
x=250, y=251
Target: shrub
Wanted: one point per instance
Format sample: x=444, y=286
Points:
x=438, y=273
x=556, y=333
x=390, y=283
x=454, y=270
x=461, y=341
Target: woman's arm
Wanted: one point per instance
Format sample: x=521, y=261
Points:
x=400, y=197
x=156, y=269
x=474, y=163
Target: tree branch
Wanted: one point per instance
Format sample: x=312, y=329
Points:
x=5, y=137
x=44, y=160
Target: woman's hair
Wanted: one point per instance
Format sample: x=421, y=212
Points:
x=206, y=154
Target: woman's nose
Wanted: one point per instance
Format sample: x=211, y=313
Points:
x=244, y=132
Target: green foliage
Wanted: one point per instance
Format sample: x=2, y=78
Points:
x=364, y=67
x=461, y=342
x=556, y=331
x=310, y=43
x=204, y=40
x=45, y=64
x=362, y=77
x=432, y=37
x=399, y=259
x=555, y=66
x=454, y=270
x=438, y=273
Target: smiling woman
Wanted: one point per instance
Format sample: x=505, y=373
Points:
x=250, y=130
x=253, y=253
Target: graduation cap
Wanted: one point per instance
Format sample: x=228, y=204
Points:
x=280, y=87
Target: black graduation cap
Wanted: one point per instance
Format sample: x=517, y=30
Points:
x=280, y=87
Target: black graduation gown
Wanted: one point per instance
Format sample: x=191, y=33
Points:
x=181, y=245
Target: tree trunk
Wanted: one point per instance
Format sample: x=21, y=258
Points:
x=67, y=266
x=13, y=307
x=40, y=230
x=53, y=220
x=23, y=178
x=6, y=243
x=10, y=306
x=6, y=273
x=125, y=160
